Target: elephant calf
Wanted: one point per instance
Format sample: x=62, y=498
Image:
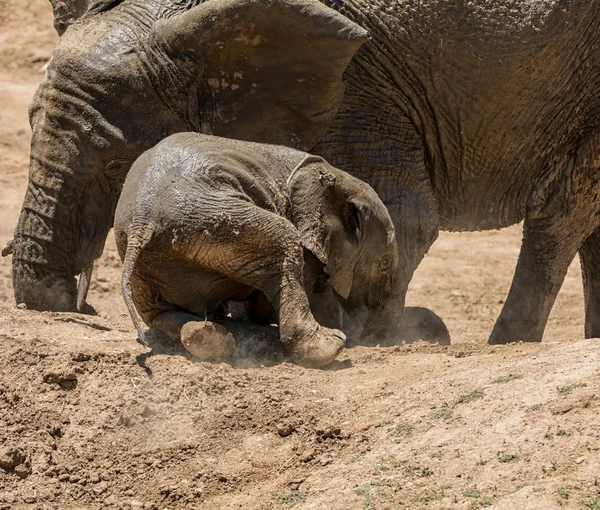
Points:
x=203, y=221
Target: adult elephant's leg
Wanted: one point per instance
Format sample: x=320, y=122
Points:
x=589, y=254
x=372, y=139
x=562, y=213
x=545, y=256
x=415, y=219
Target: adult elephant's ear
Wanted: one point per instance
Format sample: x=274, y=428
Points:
x=260, y=70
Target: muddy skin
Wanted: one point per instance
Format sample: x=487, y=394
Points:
x=205, y=221
x=66, y=12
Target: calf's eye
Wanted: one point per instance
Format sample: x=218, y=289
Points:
x=384, y=263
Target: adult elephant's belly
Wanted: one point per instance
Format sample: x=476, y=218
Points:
x=493, y=144
x=484, y=200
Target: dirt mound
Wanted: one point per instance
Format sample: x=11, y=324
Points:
x=89, y=419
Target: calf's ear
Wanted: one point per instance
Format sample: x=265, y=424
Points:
x=261, y=70
x=326, y=219
x=66, y=12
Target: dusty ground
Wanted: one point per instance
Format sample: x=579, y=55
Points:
x=82, y=425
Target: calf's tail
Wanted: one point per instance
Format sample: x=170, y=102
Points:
x=136, y=241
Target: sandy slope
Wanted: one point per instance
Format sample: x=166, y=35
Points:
x=83, y=425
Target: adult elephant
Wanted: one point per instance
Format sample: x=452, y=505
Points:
x=462, y=116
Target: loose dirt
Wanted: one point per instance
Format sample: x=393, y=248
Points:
x=84, y=426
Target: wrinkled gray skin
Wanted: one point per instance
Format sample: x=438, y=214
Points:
x=204, y=220
x=66, y=12
x=461, y=115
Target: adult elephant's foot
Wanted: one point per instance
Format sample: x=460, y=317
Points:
x=317, y=349
x=508, y=331
x=416, y=323
x=207, y=341
x=41, y=290
x=422, y=324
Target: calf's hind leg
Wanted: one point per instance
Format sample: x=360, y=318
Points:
x=202, y=339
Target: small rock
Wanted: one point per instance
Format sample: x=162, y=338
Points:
x=22, y=306
x=23, y=470
x=325, y=461
x=295, y=484
x=81, y=357
x=328, y=433
x=50, y=472
x=59, y=377
x=579, y=460
x=8, y=498
x=285, y=429
x=55, y=431
x=229, y=412
x=100, y=488
x=307, y=456
x=10, y=458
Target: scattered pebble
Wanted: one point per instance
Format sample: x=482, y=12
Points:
x=58, y=377
x=10, y=458
x=285, y=429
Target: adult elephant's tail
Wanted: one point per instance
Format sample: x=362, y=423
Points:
x=136, y=241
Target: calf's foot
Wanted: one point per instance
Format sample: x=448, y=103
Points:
x=317, y=349
x=207, y=341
